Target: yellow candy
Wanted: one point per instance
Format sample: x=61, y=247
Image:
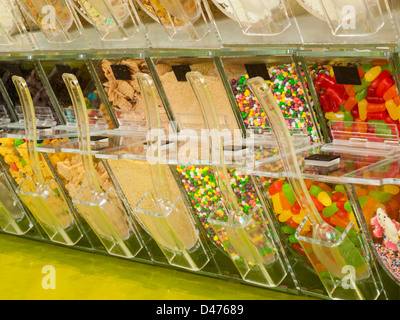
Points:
x=391, y=189
x=335, y=116
x=285, y=216
x=353, y=219
x=373, y=73
x=298, y=218
x=324, y=198
x=276, y=203
x=392, y=109
x=362, y=109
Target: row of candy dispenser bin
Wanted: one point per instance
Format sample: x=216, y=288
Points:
x=226, y=219
x=112, y=24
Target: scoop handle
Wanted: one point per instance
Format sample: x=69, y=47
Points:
x=210, y=118
x=83, y=128
x=154, y=130
x=30, y=127
x=283, y=138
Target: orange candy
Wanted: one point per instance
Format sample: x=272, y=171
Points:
x=391, y=93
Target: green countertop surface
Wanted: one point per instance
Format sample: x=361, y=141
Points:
x=80, y=275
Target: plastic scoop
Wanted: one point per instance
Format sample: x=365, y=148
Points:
x=167, y=220
x=330, y=252
x=244, y=236
x=46, y=201
x=102, y=210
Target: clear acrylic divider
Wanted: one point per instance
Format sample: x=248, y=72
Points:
x=113, y=19
x=257, y=17
x=96, y=117
x=103, y=211
x=12, y=31
x=56, y=19
x=181, y=20
x=366, y=16
x=246, y=237
x=13, y=218
x=344, y=271
x=44, y=199
x=167, y=220
x=363, y=138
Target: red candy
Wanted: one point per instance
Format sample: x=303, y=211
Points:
x=384, y=86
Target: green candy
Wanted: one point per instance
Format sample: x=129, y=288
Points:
x=288, y=230
x=367, y=67
x=340, y=188
x=363, y=200
x=23, y=161
x=330, y=211
x=348, y=117
x=18, y=142
x=292, y=239
x=364, y=85
x=362, y=95
x=380, y=195
x=315, y=191
x=289, y=194
x=347, y=206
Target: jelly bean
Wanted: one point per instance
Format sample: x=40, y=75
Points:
x=308, y=183
x=285, y=216
x=291, y=223
x=338, y=221
x=295, y=209
x=391, y=189
x=275, y=187
x=366, y=67
x=363, y=86
x=340, y=188
x=379, y=62
x=299, y=249
x=14, y=166
x=384, y=74
x=391, y=93
x=334, y=106
x=373, y=73
x=362, y=109
x=334, y=116
x=337, y=196
x=318, y=205
x=325, y=187
x=397, y=100
x=326, y=103
x=276, y=203
x=325, y=199
x=288, y=230
x=348, y=118
x=336, y=96
x=384, y=86
x=354, y=112
x=361, y=126
x=315, y=190
x=374, y=107
x=362, y=95
x=377, y=115
x=350, y=103
x=375, y=99
x=285, y=203
x=347, y=206
x=380, y=196
x=327, y=220
x=289, y=194
x=342, y=213
x=330, y=211
x=292, y=239
x=392, y=109
x=350, y=90
x=326, y=81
